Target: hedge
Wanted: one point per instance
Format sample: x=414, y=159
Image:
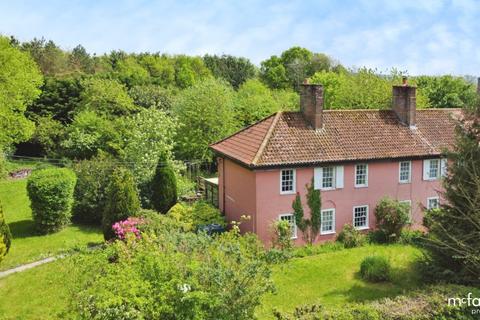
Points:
x=51, y=198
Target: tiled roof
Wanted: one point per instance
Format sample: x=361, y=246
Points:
x=285, y=138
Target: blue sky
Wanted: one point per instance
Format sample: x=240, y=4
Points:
x=422, y=37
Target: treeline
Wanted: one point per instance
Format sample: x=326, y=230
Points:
x=139, y=107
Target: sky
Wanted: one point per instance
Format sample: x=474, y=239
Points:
x=420, y=37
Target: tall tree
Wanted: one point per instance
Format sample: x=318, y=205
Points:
x=205, y=114
x=447, y=91
x=453, y=241
x=49, y=57
x=235, y=70
x=20, y=81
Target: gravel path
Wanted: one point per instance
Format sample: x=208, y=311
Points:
x=27, y=266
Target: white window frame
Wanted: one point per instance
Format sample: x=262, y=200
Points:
x=333, y=178
x=427, y=164
x=366, y=221
x=409, y=180
x=333, y=222
x=410, y=215
x=294, y=233
x=364, y=185
x=433, y=198
x=294, y=182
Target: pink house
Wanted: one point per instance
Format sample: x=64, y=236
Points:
x=355, y=157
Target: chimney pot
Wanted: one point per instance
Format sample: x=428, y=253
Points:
x=405, y=81
x=311, y=104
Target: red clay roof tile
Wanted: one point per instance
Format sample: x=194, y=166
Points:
x=286, y=139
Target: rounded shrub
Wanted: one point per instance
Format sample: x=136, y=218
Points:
x=391, y=216
x=375, y=269
x=351, y=237
x=201, y=213
x=164, y=188
x=51, y=198
x=93, y=177
x=121, y=200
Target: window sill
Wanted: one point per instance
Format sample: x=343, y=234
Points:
x=362, y=228
x=327, y=233
x=405, y=182
x=361, y=186
x=287, y=193
x=327, y=189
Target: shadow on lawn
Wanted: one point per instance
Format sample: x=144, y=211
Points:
x=403, y=280
x=26, y=229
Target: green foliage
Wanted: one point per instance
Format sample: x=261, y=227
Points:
x=425, y=304
x=314, y=202
x=49, y=134
x=59, y=100
x=164, y=187
x=309, y=227
x=375, y=269
x=155, y=278
x=93, y=177
x=254, y=101
x=106, y=97
x=447, y=91
x=205, y=114
x=453, y=243
x=148, y=137
x=160, y=68
x=282, y=235
x=5, y=235
x=293, y=67
x=235, y=70
x=48, y=56
x=201, y=213
x=351, y=237
x=51, y=198
x=391, y=217
x=21, y=80
x=412, y=237
x=121, y=200
x=128, y=71
x=189, y=71
x=89, y=134
x=152, y=96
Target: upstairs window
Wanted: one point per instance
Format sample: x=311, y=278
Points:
x=360, y=217
x=328, y=221
x=405, y=171
x=328, y=178
x=291, y=221
x=434, y=169
x=361, y=175
x=287, y=181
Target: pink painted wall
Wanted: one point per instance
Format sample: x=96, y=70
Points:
x=237, y=193
x=257, y=193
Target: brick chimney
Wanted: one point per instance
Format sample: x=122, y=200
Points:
x=405, y=103
x=311, y=104
x=478, y=86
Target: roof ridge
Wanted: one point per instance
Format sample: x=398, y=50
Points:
x=241, y=130
x=266, y=138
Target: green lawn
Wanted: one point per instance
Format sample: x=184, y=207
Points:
x=27, y=246
x=332, y=279
x=39, y=293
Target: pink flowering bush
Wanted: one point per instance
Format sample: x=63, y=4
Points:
x=127, y=227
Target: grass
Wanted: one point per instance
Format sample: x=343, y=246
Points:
x=39, y=293
x=27, y=245
x=332, y=279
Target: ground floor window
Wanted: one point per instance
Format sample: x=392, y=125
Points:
x=328, y=221
x=291, y=220
x=360, y=217
x=433, y=203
